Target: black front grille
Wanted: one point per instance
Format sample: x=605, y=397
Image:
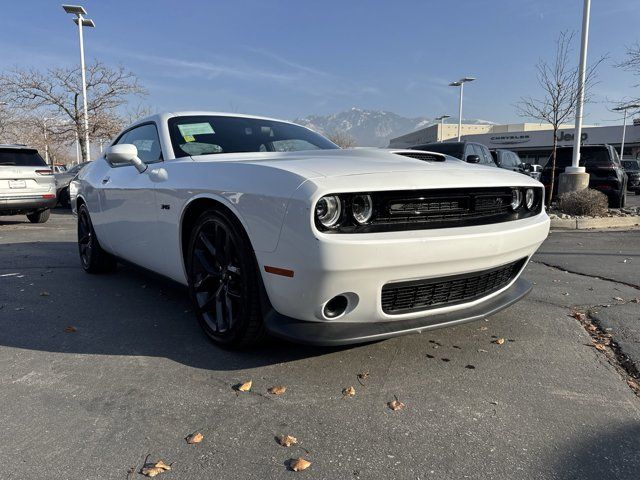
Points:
x=428, y=157
x=417, y=295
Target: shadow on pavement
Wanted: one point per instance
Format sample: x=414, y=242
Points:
x=128, y=312
x=604, y=454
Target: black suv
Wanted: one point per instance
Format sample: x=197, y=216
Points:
x=632, y=169
x=510, y=160
x=467, y=151
x=601, y=162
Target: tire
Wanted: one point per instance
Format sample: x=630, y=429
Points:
x=620, y=200
x=40, y=216
x=64, y=200
x=224, y=281
x=92, y=257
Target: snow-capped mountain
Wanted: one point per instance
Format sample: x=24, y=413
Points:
x=369, y=128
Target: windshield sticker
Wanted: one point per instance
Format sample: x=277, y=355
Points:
x=192, y=129
x=189, y=138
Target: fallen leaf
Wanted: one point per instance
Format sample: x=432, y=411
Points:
x=395, y=405
x=195, y=437
x=245, y=387
x=349, y=392
x=44, y=294
x=483, y=328
x=579, y=316
x=287, y=440
x=71, y=329
x=499, y=341
x=363, y=375
x=277, y=390
x=618, y=299
x=153, y=469
x=592, y=328
x=601, y=347
x=299, y=464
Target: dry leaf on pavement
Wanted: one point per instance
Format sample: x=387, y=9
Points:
x=299, y=464
x=277, y=390
x=195, y=437
x=71, y=329
x=600, y=347
x=44, y=294
x=499, y=341
x=153, y=469
x=245, y=387
x=287, y=440
x=579, y=316
x=395, y=405
x=618, y=299
x=349, y=392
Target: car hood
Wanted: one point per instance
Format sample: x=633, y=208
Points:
x=337, y=163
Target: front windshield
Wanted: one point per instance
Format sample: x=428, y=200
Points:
x=207, y=134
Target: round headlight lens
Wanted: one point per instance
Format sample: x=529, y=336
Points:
x=516, y=199
x=328, y=211
x=362, y=208
x=529, y=198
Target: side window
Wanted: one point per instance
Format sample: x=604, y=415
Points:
x=508, y=160
x=146, y=140
x=487, y=155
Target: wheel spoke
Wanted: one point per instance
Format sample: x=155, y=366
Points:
x=204, y=262
x=201, y=285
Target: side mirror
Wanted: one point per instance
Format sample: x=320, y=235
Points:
x=472, y=159
x=527, y=167
x=124, y=154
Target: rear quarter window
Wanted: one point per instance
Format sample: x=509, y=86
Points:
x=20, y=157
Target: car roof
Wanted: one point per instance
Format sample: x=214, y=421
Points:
x=164, y=116
x=20, y=146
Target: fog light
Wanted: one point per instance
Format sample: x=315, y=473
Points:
x=336, y=306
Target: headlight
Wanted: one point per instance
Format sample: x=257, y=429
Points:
x=516, y=199
x=328, y=211
x=362, y=208
x=529, y=198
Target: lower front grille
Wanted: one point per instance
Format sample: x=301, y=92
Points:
x=417, y=295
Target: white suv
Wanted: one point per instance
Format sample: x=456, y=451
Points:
x=27, y=184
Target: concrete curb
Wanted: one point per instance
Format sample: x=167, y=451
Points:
x=594, y=222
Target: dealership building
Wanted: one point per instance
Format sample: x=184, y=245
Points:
x=532, y=141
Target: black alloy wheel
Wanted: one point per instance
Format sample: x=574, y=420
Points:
x=224, y=283
x=92, y=257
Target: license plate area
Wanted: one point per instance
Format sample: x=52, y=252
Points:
x=17, y=184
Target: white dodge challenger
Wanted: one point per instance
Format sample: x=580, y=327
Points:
x=273, y=228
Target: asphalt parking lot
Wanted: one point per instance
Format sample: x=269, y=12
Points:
x=134, y=376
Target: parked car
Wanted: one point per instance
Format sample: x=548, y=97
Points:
x=603, y=166
x=27, y=186
x=510, y=160
x=470, y=152
x=62, y=183
x=632, y=169
x=273, y=228
x=59, y=168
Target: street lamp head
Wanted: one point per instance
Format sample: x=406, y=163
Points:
x=86, y=22
x=442, y=117
x=74, y=9
x=455, y=84
x=468, y=79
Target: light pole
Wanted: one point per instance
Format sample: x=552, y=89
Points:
x=575, y=177
x=79, y=12
x=441, y=120
x=624, y=108
x=460, y=83
x=46, y=144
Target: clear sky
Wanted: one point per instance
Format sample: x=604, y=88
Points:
x=292, y=58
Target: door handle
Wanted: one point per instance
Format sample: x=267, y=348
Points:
x=105, y=180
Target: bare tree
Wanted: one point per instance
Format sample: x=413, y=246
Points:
x=342, y=139
x=57, y=93
x=559, y=83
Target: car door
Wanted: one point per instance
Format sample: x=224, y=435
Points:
x=129, y=212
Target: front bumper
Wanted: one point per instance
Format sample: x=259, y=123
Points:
x=340, y=333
